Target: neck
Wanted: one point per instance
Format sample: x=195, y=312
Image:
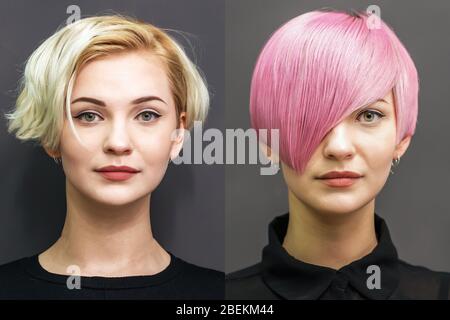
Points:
x=106, y=240
x=330, y=240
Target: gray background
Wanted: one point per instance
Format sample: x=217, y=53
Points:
x=415, y=200
x=187, y=208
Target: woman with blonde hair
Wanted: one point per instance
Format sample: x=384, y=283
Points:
x=109, y=98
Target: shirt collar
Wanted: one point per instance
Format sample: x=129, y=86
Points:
x=293, y=279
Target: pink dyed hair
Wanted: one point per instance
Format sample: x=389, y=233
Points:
x=320, y=67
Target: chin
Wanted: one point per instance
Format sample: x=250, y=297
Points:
x=119, y=202
x=338, y=209
x=116, y=199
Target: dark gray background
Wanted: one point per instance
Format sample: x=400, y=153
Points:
x=187, y=208
x=415, y=200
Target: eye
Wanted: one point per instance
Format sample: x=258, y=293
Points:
x=370, y=116
x=148, y=116
x=87, y=116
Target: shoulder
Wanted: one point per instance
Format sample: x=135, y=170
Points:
x=13, y=277
x=244, y=274
x=423, y=283
x=202, y=282
x=409, y=271
x=13, y=268
x=247, y=284
x=200, y=273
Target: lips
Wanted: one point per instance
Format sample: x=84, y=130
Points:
x=340, y=174
x=117, y=173
x=340, y=178
x=118, y=169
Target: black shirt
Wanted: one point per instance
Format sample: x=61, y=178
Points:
x=26, y=279
x=281, y=276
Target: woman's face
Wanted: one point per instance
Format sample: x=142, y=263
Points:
x=123, y=111
x=365, y=143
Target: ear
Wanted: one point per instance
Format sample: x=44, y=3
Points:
x=178, y=137
x=52, y=153
x=401, y=148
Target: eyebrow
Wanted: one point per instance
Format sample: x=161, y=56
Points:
x=369, y=104
x=103, y=104
x=379, y=100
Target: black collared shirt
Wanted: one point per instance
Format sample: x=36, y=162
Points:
x=378, y=275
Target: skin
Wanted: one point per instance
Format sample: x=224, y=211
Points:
x=334, y=226
x=107, y=231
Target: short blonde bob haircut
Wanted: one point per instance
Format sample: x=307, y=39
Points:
x=51, y=70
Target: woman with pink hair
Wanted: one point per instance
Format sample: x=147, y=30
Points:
x=342, y=91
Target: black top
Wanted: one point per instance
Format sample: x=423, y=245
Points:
x=26, y=279
x=281, y=276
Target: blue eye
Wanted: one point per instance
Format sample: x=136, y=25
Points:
x=87, y=116
x=148, y=116
x=370, y=116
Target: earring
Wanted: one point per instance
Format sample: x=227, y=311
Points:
x=395, y=163
x=57, y=160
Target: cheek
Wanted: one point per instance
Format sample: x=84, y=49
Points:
x=73, y=153
x=155, y=145
x=298, y=184
x=155, y=150
x=378, y=152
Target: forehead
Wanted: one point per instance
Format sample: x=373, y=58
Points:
x=123, y=77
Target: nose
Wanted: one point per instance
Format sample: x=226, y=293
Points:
x=117, y=139
x=339, y=144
